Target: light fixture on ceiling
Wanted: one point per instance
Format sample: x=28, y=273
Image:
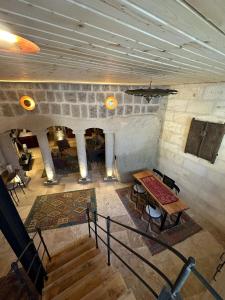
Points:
x=27, y=102
x=7, y=37
x=150, y=93
x=10, y=42
x=111, y=103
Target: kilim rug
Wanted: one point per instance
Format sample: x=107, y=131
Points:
x=61, y=209
x=186, y=228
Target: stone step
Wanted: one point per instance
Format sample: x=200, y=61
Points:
x=75, y=242
x=72, y=264
x=127, y=295
x=67, y=254
x=86, y=284
x=74, y=275
x=111, y=289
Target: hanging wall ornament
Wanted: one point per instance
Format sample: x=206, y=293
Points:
x=150, y=93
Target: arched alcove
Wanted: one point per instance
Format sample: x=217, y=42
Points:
x=26, y=146
x=63, y=147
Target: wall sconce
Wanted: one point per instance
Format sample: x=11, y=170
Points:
x=27, y=103
x=111, y=103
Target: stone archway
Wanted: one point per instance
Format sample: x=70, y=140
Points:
x=63, y=146
x=16, y=151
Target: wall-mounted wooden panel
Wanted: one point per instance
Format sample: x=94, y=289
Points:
x=204, y=139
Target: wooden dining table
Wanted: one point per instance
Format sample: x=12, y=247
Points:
x=175, y=207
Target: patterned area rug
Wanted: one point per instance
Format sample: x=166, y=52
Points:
x=61, y=209
x=186, y=228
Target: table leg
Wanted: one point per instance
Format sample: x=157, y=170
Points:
x=163, y=221
x=178, y=219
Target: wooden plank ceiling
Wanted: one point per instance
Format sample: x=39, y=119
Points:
x=117, y=41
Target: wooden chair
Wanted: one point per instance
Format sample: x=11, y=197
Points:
x=177, y=189
x=171, y=184
x=158, y=173
x=11, y=187
x=168, y=181
x=138, y=193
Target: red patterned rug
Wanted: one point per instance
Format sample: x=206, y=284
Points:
x=186, y=228
x=60, y=209
x=159, y=190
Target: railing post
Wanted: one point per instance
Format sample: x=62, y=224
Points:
x=43, y=242
x=108, y=238
x=88, y=219
x=96, y=229
x=182, y=277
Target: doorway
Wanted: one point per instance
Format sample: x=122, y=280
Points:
x=62, y=144
x=95, y=148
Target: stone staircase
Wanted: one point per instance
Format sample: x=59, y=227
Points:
x=80, y=271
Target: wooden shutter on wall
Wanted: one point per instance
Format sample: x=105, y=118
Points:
x=204, y=139
x=194, y=137
x=211, y=141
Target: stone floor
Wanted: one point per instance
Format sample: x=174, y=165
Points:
x=202, y=246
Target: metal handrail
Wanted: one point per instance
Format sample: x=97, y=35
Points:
x=14, y=265
x=176, y=252
x=141, y=257
x=188, y=267
x=129, y=267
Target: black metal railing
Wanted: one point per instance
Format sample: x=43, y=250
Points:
x=23, y=276
x=172, y=289
x=220, y=265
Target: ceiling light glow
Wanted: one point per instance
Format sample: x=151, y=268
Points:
x=13, y=43
x=8, y=37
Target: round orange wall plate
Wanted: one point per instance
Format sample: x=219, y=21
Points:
x=27, y=102
x=111, y=103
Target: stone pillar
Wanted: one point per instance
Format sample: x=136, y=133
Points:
x=3, y=162
x=82, y=155
x=46, y=155
x=109, y=154
x=11, y=157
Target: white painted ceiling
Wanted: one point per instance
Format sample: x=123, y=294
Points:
x=117, y=41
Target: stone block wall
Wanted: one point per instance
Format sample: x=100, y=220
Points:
x=201, y=183
x=72, y=100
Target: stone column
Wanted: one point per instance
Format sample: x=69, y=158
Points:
x=3, y=162
x=109, y=154
x=82, y=155
x=11, y=157
x=46, y=155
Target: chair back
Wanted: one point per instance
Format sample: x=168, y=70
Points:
x=171, y=184
x=169, y=181
x=157, y=172
x=176, y=188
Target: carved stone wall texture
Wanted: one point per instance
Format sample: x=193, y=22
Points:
x=201, y=183
x=75, y=100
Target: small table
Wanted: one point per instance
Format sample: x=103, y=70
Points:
x=176, y=207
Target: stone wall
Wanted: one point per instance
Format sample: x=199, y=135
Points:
x=136, y=146
x=75, y=100
x=81, y=106
x=201, y=183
